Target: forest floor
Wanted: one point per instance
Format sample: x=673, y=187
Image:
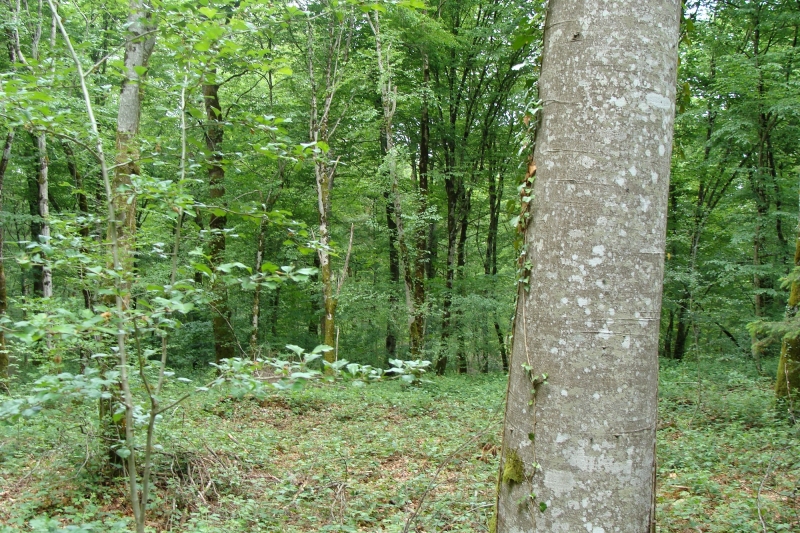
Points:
x=383, y=457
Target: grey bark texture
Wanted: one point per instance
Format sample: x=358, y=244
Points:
x=578, y=449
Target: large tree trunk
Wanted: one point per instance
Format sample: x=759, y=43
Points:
x=223, y=334
x=787, y=382
x=578, y=445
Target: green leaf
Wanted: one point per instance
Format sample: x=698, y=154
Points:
x=200, y=267
x=413, y=4
x=321, y=348
x=521, y=41
x=202, y=46
x=269, y=267
x=296, y=349
x=209, y=12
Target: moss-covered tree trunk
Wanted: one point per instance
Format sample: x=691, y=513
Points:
x=578, y=445
x=787, y=381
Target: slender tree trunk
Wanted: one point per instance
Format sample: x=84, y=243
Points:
x=501, y=342
x=139, y=44
x=682, y=329
x=43, y=190
x=578, y=443
x=276, y=307
x=668, y=335
x=221, y=326
x=422, y=254
x=262, y=237
x=461, y=262
x=256, y=308
x=394, y=277
x=324, y=179
x=39, y=224
x=316, y=318
x=453, y=189
x=321, y=127
x=83, y=209
x=4, y=361
x=490, y=264
x=37, y=272
x=403, y=258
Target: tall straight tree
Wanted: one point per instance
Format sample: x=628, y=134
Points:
x=580, y=427
x=139, y=43
x=328, y=58
x=4, y=159
x=214, y=132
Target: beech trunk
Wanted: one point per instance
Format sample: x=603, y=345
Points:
x=579, y=444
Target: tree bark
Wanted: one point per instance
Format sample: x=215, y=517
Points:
x=394, y=277
x=37, y=272
x=422, y=254
x=139, y=44
x=223, y=335
x=4, y=361
x=461, y=262
x=340, y=27
x=43, y=209
x=787, y=381
x=578, y=445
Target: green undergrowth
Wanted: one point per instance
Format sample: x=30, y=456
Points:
x=333, y=457
x=727, y=462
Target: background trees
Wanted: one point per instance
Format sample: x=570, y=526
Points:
x=286, y=96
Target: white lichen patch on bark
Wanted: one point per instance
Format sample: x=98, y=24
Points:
x=590, y=318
